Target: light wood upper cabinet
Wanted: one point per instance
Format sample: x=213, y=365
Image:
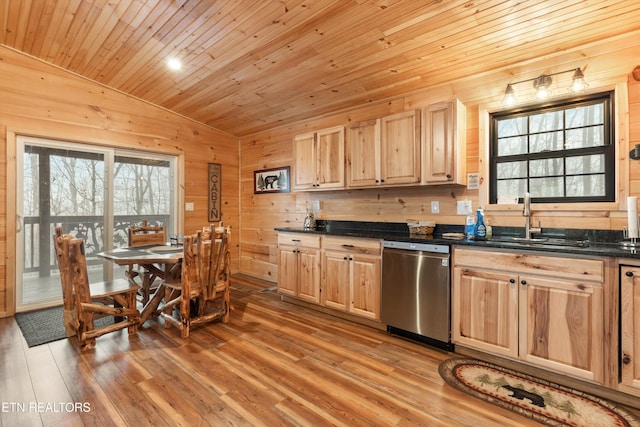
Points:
x=444, y=153
x=400, y=148
x=363, y=154
x=542, y=309
x=319, y=159
x=385, y=151
x=304, y=148
x=630, y=329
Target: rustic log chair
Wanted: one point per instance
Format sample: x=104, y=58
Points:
x=84, y=302
x=145, y=235
x=202, y=294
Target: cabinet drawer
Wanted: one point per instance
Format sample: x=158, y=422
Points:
x=299, y=239
x=350, y=244
x=531, y=263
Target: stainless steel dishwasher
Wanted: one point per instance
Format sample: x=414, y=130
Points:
x=416, y=292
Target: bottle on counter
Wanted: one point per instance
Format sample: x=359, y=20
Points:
x=470, y=227
x=480, y=229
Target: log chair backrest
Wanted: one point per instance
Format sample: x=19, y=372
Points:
x=73, y=269
x=147, y=235
x=190, y=262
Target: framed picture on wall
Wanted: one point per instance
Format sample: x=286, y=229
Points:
x=215, y=181
x=274, y=180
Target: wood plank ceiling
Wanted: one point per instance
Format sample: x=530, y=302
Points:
x=250, y=66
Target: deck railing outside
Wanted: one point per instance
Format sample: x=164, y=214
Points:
x=39, y=256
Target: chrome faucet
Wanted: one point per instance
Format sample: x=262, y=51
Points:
x=526, y=212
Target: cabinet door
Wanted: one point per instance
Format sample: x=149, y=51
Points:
x=330, y=152
x=485, y=310
x=335, y=280
x=561, y=325
x=288, y=270
x=363, y=154
x=444, y=157
x=309, y=274
x=400, y=148
x=365, y=286
x=304, y=147
x=630, y=328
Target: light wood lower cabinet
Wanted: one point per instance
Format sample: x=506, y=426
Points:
x=485, y=310
x=538, y=308
x=351, y=275
x=630, y=329
x=299, y=266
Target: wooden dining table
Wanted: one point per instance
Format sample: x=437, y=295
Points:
x=162, y=261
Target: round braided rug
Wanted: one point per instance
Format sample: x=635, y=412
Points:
x=540, y=400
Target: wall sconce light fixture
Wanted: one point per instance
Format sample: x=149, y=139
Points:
x=542, y=83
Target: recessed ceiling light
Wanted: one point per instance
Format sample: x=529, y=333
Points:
x=174, y=64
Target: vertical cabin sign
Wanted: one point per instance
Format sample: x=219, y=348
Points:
x=215, y=179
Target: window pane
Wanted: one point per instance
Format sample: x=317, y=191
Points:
x=141, y=187
x=141, y=192
x=548, y=141
x=585, y=137
x=547, y=187
x=512, y=146
x=585, y=116
x=512, y=127
x=545, y=122
x=585, y=164
x=511, y=188
x=512, y=170
x=585, y=186
x=546, y=167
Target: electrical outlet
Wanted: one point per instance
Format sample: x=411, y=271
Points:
x=188, y=206
x=316, y=206
x=435, y=207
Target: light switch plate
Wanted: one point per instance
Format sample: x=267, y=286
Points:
x=464, y=207
x=188, y=206
x=435, y=207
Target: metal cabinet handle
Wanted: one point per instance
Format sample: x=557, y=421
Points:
x=512, y=280
x=347, y=246
x=523, y=282
x=629, y=273
x=626, y=359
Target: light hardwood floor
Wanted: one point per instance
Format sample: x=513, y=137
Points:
x=274, y=364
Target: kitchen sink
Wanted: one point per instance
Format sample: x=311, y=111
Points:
x=543, y=241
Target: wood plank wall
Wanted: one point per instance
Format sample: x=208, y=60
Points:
x=606, y=66
x=42, y=100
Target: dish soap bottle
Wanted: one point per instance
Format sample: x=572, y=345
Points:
x=481, y=229
x=470, y=227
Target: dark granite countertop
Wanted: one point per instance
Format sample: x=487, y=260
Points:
x=565, y=241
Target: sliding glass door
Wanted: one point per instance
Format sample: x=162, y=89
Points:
x=94, y=193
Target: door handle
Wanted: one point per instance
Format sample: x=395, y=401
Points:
x=19, y=223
